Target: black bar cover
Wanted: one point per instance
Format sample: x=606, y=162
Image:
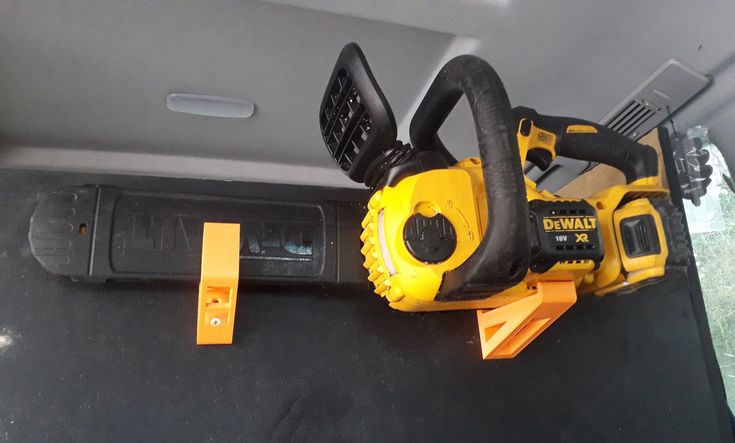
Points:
x=100, y=233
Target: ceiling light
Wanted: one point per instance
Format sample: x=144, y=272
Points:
x=210, y=105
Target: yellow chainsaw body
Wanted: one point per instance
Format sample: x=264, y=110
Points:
x=458, y=194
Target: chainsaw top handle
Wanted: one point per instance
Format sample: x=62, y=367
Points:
x=501, y=259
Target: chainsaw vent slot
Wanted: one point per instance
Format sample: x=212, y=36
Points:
x=642, y=236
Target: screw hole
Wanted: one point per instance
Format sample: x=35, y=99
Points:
x=600, y=205
x=83, y=229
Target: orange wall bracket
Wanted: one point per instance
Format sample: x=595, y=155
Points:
x=505, y=331
x=218, y=286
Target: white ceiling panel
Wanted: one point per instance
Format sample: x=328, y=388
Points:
x=93, y=75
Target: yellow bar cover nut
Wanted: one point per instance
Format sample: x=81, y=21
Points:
x=218, y=285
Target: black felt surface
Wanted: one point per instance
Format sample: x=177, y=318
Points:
x=118, y=361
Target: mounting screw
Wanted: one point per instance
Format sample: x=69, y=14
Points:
x=215, y=321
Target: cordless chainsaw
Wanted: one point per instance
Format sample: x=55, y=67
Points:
x=442, y=234
x=439, y=234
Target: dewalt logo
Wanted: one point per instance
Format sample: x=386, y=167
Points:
x=565, y=224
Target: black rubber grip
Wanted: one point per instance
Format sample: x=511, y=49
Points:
x=633, y=159
x=501, y=259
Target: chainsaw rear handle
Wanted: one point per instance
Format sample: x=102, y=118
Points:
x=584, y=140
x=501, y=259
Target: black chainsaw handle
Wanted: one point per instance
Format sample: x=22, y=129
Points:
x=584, y=140
x=501, y=259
